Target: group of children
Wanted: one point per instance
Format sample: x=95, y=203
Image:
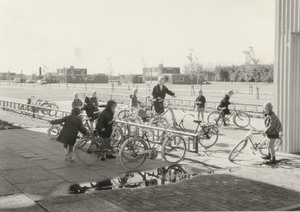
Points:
x=73, y=124
x=104, y=121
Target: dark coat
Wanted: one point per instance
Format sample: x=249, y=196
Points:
x=225, y=103
x=77, y=103
x=134, y=100
x=95, y=102
x=157, y=92
x=105, y=120
x=202, y=100
x=69, y=132
x=273, y=125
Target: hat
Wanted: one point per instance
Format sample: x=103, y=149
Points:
x=268, y=105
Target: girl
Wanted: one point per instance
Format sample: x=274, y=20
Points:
x=104, y=125
x=68, y=134
x=224, y=104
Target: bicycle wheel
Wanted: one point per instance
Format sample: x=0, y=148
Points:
x=124, y=114
x=263, y=149
x=208, y=136
x=132, y=153
x=173, y=149
x=88, y=150
x=52, y=106
x=241, y=119
x=53, y=131
x=159, y=121
x=237, y=149
x=45, y=110
x=215, y=117
x=116, y=138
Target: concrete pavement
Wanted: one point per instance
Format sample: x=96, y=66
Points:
x=35, y=177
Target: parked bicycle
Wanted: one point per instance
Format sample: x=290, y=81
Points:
x=90, y=148
x=135, y=150
x=261, y=146
x=46, y=107
x=240, y=118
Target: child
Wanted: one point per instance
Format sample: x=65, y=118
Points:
x=90, y=110
x=94, y=99
x=224, y=104
x=104, y=125
x=134, y=100
x=272, y=129
x=200, y=103
x=68, y=134
x=76, y=102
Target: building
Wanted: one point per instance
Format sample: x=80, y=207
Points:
x=180, y=79
x=152, y=73
x=79, y=75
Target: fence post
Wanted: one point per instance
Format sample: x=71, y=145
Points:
x=257, y=93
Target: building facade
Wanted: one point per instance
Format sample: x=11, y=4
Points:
x=152, y=73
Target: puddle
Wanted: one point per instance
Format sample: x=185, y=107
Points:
x=141, y=179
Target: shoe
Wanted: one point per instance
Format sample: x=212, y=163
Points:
x=111, y=156
x=71, y=158
x=225, y=124
x=268, y=157
x=272, y=161
x=103, y=157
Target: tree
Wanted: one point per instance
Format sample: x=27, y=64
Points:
x=251, y=62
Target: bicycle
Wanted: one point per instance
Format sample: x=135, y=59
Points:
x=240, y=118
x=54, y=130
x=90, y=148
x=261, y=146
x=208, y=133
x=135, y=150
x=42, y=106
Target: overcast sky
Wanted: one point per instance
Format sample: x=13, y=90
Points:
x=96, y=34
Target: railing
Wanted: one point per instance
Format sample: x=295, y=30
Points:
x=180, y=103
x=191, y=139
x=32, y=110
x=35, y=111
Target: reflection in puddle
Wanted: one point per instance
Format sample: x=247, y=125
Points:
x=159, y=176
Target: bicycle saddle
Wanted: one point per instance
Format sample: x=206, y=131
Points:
x=197, y=121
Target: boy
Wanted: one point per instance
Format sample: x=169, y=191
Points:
x=104, y=125
x=272, y=129
x=76, y=102
x=68, y=134
x=224, y=104
x=200, y=103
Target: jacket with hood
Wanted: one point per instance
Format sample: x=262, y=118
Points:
x=72, y=126
x=273, y=125
x=105, y=120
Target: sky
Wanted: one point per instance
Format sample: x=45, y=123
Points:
x=127, y=35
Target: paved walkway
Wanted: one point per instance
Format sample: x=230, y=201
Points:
x=35, y=177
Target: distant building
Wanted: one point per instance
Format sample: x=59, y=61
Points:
x=180, y=79
x=131, y=78
x=79, y=75
x=152, y=74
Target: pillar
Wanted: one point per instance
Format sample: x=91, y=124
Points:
x=287, y=72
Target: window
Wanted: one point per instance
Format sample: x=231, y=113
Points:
x=181, y=79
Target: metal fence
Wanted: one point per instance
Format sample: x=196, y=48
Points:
x=180, y=103
x=191, y=139
x=32, y=110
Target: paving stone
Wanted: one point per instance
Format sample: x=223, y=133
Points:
x=31, y=174
x=7, y=188
x=19, y=203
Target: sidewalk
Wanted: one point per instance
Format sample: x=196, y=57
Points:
x=35, y=177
